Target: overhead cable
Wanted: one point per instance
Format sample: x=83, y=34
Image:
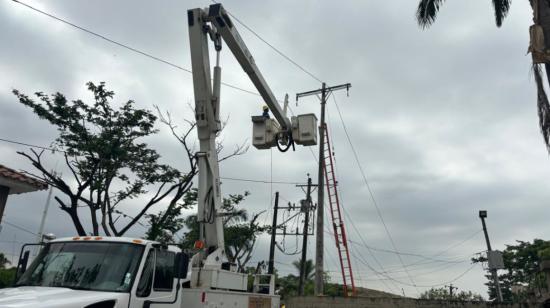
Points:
x=19, y=228
x=126, y=46
x=273, y=47
x=361, y=170
x=223, y=178
x=31, y=145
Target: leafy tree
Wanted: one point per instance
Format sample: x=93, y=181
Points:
x=443, y=294
x=110, y=166
x=240, y=230
x=539, y=46
x=522, y=268
x=7, y=275
x=163, y=225
x=4, y=261
x=288, y=285
x=309, y=269
x=469, y=296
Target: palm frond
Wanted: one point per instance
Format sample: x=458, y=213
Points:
x=427, y=12
x=501, y=10
x=543, y=106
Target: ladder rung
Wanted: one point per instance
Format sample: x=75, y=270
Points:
x=338, y=223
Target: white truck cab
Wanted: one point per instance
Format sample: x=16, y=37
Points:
x=109, y=272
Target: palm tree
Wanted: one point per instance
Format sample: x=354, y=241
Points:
x=539, y=46
x=309, y=269
x=428, y=9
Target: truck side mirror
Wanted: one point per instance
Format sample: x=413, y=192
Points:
x=24, y=261
x=21, y=265
x=181, y=265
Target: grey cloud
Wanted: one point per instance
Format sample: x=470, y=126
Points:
x=443, y=120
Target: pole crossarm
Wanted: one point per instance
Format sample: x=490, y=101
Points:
x=320, y=91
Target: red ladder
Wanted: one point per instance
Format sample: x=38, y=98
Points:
x=337, y=221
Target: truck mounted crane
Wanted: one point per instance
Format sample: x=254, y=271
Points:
x=109, y=272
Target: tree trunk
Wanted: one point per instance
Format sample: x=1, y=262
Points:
x=76, y=221
x=72, y=211
x=104, y=223
x=95, y=227
x=543, y=19
x=540, y=49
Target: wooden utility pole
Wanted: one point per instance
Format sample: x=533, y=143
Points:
x=306, y=207
x=451, y=288
x=482, y=216
x=273, y=234
x=319, y=243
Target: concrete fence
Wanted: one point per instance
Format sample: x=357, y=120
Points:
x=369, y=302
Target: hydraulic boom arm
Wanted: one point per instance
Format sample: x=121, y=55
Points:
x=219, y=17
x=204, y=24
x=214, y=24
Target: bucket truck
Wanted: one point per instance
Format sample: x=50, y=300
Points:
x=108, y=272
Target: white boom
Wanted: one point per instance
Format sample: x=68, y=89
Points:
x=215, y=24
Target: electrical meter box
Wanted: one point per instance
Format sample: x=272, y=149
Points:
x=264, y=131
x=304, y=129
x=495, y=260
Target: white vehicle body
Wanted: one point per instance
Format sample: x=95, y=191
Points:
x=56, y=297
x=78, y=294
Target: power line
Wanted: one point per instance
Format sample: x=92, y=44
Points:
x=397, y=252
x=429, y=271
x=223, y=178
x=19, y=228
x=432, y=260
x=453, y=246
x=126, y=46
x=360, y=258
x=260, y=181
x=372, y=255
x=31, y=145
x=360, y=167
x=273, y=47
x=445, y=267
x=355, y=228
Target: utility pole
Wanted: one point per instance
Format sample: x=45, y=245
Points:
x=306, y=206
x=482, y=216
x=319, y=243
x=273, y=234
x=39, y=237
x=451, y=288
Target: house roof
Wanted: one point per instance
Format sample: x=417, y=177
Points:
x=18, y=182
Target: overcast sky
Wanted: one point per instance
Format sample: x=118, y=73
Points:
x=443, y=121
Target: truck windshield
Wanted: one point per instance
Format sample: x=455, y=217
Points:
x=98, y=266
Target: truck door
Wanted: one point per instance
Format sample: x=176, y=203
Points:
x=156, y=281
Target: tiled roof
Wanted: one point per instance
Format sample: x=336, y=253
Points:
x=22, y=182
